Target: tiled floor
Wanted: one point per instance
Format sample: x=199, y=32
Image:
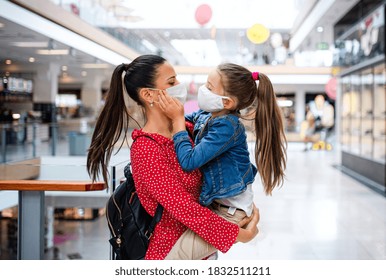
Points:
x=319, y=213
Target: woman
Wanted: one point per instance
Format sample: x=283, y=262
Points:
x=157, y=174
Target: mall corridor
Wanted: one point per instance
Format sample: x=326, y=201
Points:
x=65, y=63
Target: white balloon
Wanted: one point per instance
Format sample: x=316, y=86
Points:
x=276, y=40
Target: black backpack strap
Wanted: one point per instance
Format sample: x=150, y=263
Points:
x=156, y=219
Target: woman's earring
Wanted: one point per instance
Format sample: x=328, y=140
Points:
x=151, y=104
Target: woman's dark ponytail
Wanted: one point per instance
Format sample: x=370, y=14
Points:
x=127, y=79
x=108, y=127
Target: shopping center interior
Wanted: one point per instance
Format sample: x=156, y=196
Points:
x=326, y=61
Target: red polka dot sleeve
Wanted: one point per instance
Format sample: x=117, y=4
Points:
x=160, y=179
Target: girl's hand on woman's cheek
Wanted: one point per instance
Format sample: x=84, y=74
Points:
x=172, y=107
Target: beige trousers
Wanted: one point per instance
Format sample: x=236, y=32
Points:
x=190, y=246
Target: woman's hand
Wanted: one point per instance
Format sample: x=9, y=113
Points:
x=250, y=230
x=174, y=110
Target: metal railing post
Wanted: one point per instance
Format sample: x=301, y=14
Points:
x=34, y=126
x=53, y=139
x=3, y=143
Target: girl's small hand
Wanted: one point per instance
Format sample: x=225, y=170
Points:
x=172, y=107
x=249, y=231
x=255, y=218
x=174, y=110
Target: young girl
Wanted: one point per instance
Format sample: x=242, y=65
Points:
x=221, y=150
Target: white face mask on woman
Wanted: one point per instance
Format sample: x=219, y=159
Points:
x=209, y=101
x=178, y=91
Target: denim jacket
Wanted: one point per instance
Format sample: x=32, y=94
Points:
x=221, y=153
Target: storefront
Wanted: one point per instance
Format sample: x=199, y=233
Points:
x=363, y=98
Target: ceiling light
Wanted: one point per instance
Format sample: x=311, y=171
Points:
x=52, y=52
x=64, y=68
x=30, y=44
x=96, y=65
x=16, y=116
x=8, y=61
x=31, y=59
x=319, y=29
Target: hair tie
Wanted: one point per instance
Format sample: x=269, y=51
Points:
x=255, y=75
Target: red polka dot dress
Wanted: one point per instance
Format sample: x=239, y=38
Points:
x=160, y=179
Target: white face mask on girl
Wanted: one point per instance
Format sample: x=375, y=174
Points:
x=209, y=101
x=178, y=91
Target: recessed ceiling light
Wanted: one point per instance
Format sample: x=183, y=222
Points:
x=30, y=44
x=52, y=52
x=31, y=59
x=64, y=68
x=8, y=61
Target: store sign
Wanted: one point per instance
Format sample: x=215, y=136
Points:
x=17, y=85
x=322, y=46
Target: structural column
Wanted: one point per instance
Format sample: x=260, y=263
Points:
x=46, y=83
x=91, y=93
x=300, y=107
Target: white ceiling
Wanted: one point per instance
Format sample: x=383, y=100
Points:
x=171, y=14
x=177, y=22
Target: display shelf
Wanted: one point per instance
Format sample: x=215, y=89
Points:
x=363, y=119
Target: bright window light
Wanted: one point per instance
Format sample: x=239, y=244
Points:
x=198, y=52
x=96, y=65
x=149, y=45
x=285, y=103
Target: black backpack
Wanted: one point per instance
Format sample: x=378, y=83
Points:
x=131, y=227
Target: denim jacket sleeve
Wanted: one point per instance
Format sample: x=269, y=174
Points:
x=192, y=116
x=220, y=138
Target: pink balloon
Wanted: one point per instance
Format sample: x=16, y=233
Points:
x=203, y=14
x=330, y=88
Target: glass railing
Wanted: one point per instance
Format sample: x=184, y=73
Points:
x=21, y=141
